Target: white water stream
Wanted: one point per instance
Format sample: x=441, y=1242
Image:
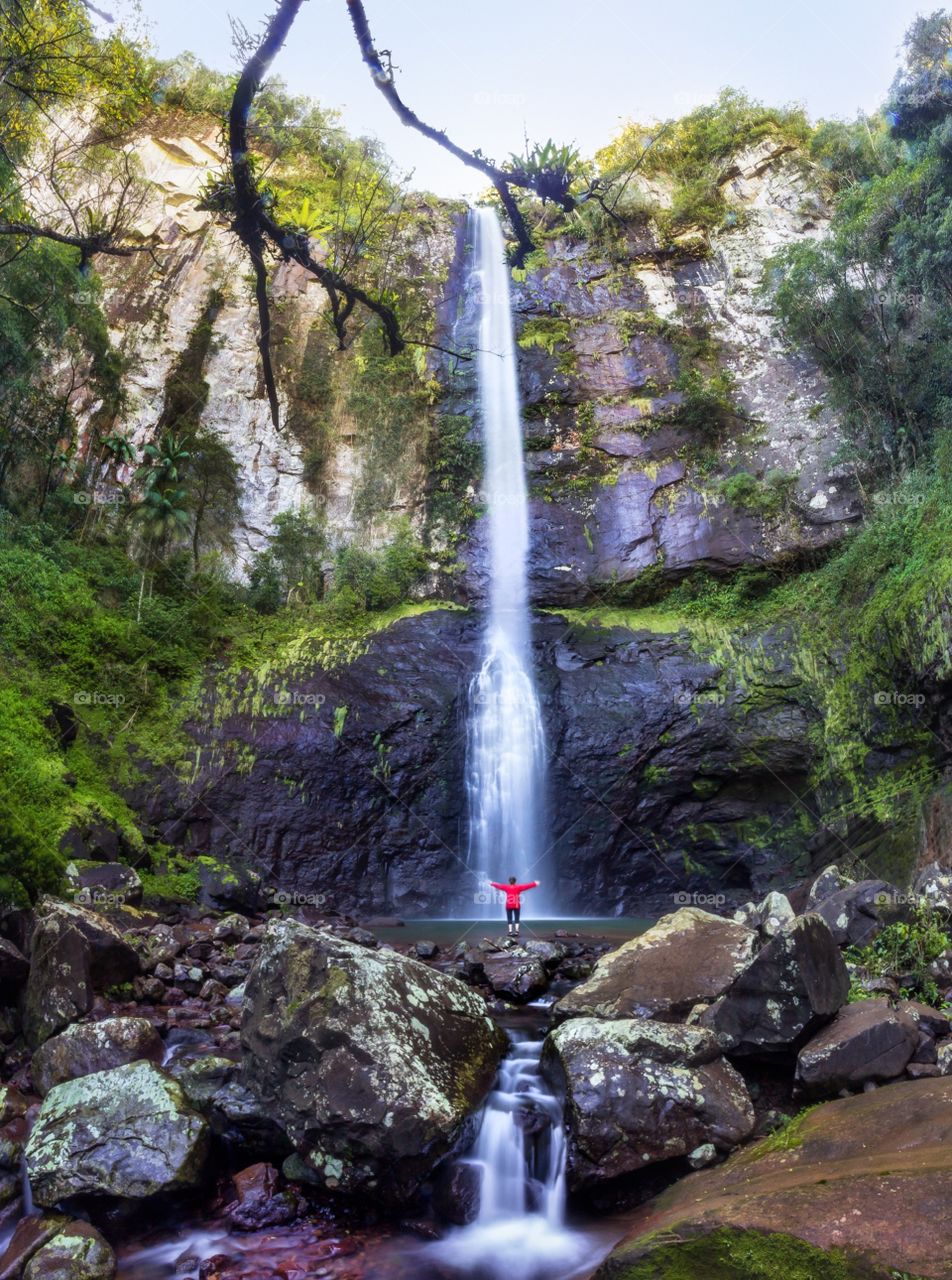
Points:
x=506, y=773
x=520, y=1232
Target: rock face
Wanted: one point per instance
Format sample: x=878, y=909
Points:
x=73, y=953
x=371, y=1063
x=126, y=1132
x=687, y=957
x=691, y=747
x=637, y=1092
x=857, y=1189
x=795, y=984
x=85, y=1048
x=865, y=1041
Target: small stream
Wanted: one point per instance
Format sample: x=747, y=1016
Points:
x=523, y=1229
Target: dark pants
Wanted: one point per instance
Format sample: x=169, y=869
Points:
x=512, y=915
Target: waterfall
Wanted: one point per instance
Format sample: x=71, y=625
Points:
x=520, y=1231
x=505, y=773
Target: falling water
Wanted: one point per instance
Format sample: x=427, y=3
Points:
x=520, y=1231
x=506, y=750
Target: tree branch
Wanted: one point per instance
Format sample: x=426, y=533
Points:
x=502, y=179
x=257, y=230
x=89, y=246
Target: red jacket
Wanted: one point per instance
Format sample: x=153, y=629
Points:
x=512, y=891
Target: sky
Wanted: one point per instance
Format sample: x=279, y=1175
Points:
x=494, y=71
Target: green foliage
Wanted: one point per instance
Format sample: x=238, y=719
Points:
x=767, y=497
x=547, y=332
x=694, y=152
x=379, y=580
x=873, y=301
x=734, y=1254
x=454, y=463
x=552, y=168
x=291, y=569
x=904, y=951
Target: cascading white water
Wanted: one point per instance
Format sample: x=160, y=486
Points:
x=505, y=775
x=520, y=1231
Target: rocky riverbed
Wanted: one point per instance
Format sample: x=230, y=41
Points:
x=224, y=1095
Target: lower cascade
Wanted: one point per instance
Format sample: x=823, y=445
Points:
x=520, y=1231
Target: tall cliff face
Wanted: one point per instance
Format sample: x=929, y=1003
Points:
x=669, y=429
x=201, y=275
x=668, y=432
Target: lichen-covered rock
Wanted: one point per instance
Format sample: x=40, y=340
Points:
x=73, y=953
x=685, y=958
x=794, y=985
x=857, y=912
x=830, y=880
x=372, y=1063
x=934, y=885
x=865, y=1041
x=29, y=1235
x=769, y=917
x=87, y=1047
x=638, y=1091
x=78, y=1252
x=126, y=1132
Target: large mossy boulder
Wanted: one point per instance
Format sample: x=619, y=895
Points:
x=686, y=958
x=856, y=1189
x=372, y=1063
x=638, y=1091
x=87, y=1047
x=126, y=1132
x=793, y=986
x=73, y=953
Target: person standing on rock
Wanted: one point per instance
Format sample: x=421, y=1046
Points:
x=513, y=894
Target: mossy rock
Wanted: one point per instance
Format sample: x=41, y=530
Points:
x=737, y=1255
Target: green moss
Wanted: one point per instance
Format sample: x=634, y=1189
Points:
x=548, y=332
x=733, y=1254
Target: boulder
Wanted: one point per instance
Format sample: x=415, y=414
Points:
x=258, y=1203
x=856, y=913
x=103, y=884
x=515, y=977
x=637, y=1091
x=796, y=984
x=228, y=886
x=830, y=880
x=87, y=1047
x=126, y=1132
x=768, y=917
x=29, y=1235
x=867, y=1040
x=73, y=953
x=372, y=1063
x=456, y=1192
x=854, y=1189
x=78, y=1252
x=687, y=957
